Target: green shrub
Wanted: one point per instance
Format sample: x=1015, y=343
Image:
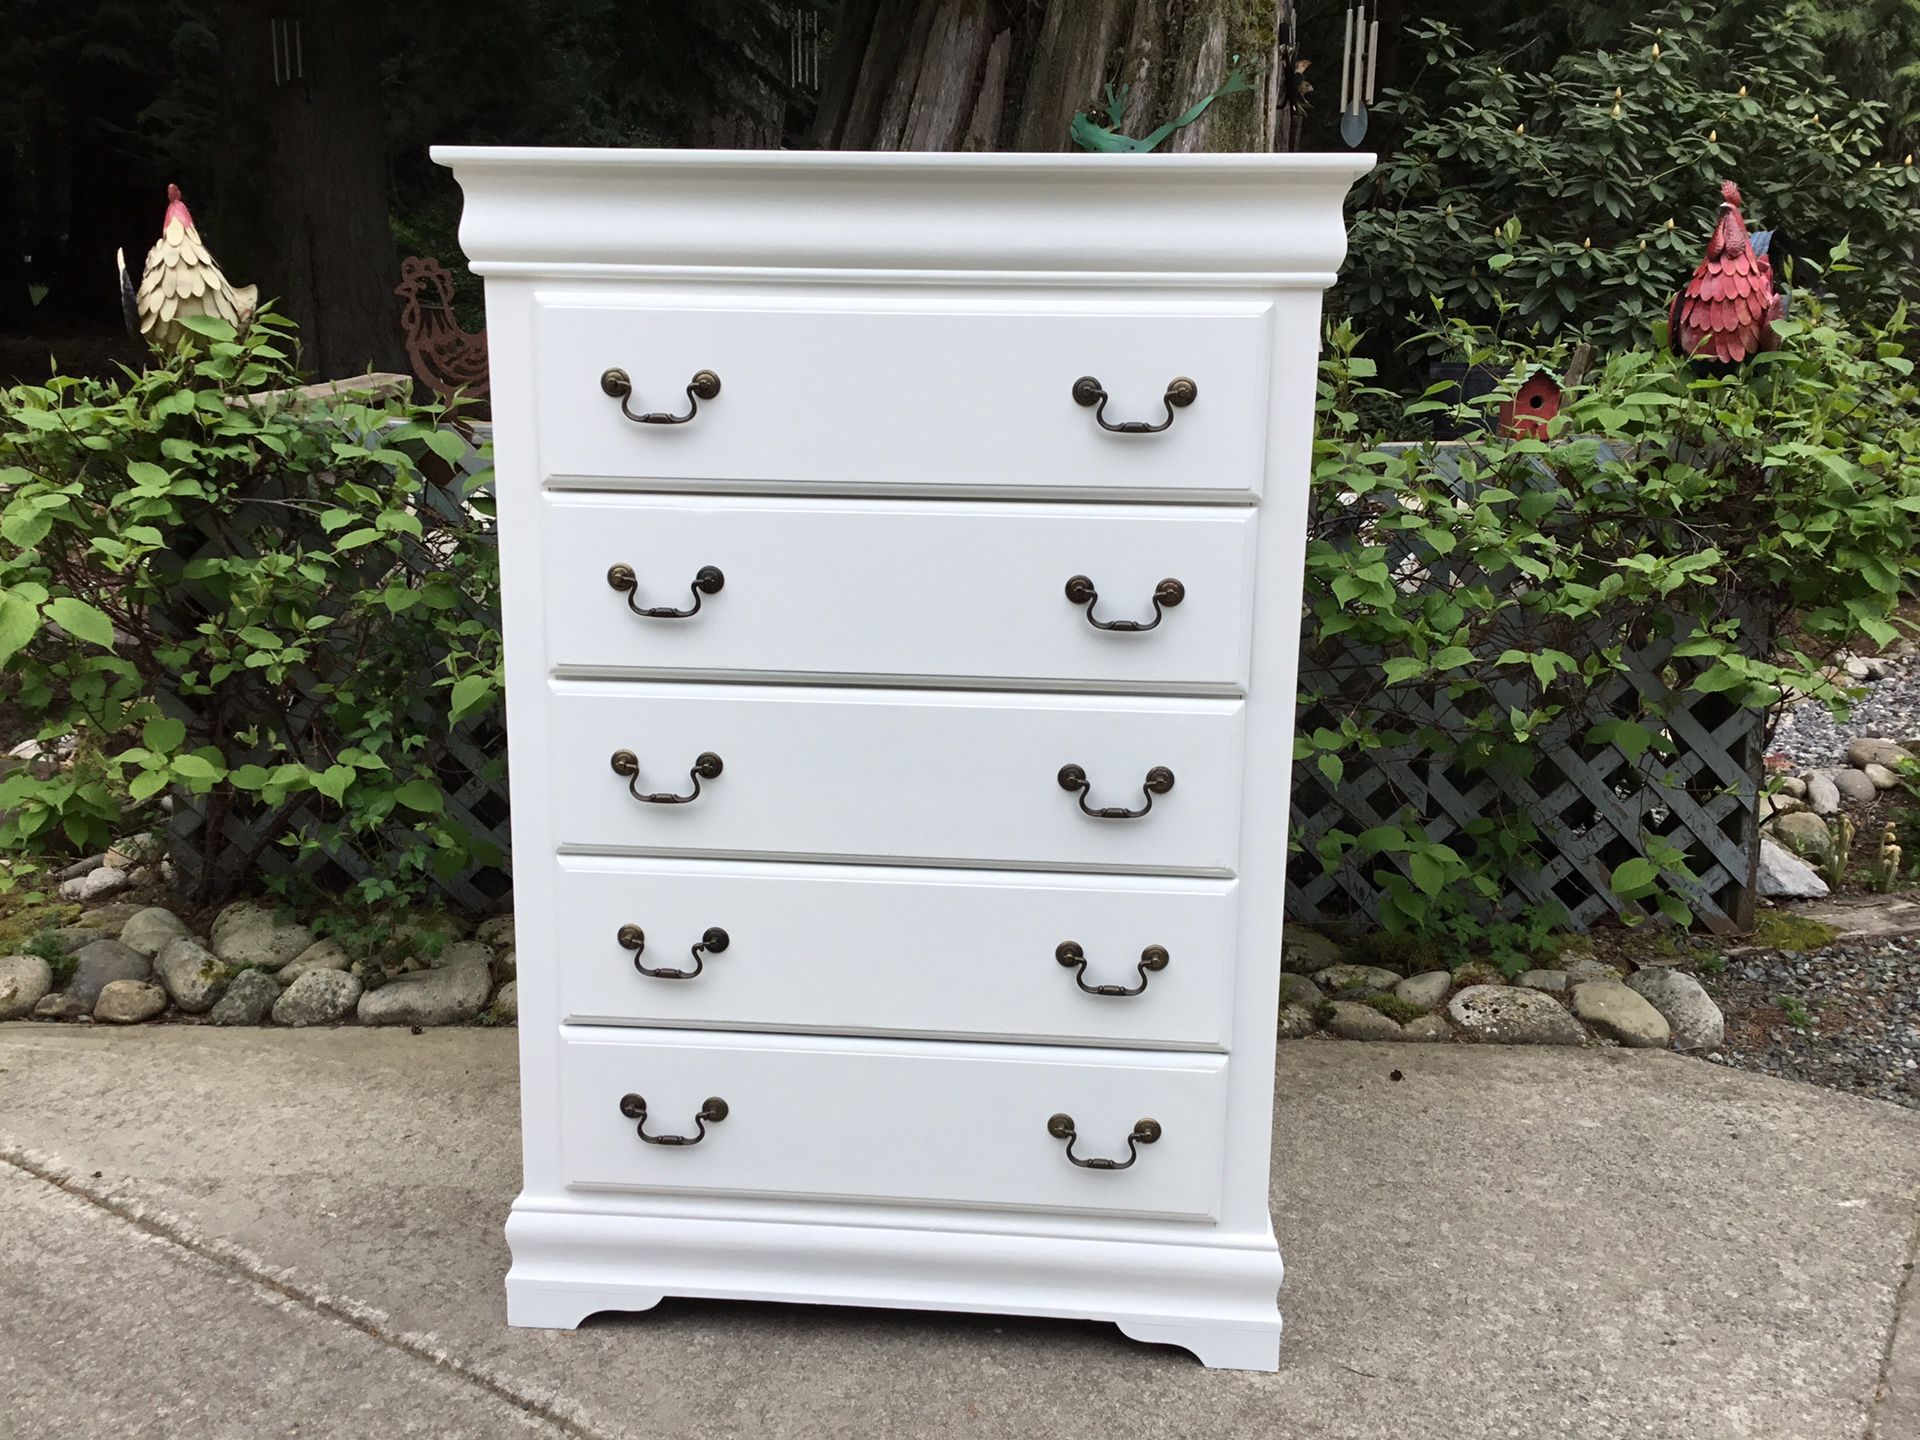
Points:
x=1765, y=518
x=244, y=595
x=1576, y=200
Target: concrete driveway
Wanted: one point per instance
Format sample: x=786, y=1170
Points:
x=269, y=1233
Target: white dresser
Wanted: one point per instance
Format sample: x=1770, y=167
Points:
x=902, y=562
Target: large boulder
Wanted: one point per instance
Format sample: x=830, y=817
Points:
x=1351, y=1020
x=1806, y=835
x=248, y=1001
x=1426, y=990
x=24, y=979
x=1683, y=1002
x=1868, y=751
x=99, y=964
x=451, y=996
x=1823, y=796
x=248, y=934
x=1621, y=1014
x=1512, y=1015
x=149, y=930
x=193, y=975
x=497, y=932
x=1305, y=951
x=319, y=997
x=1854, y=785
x=128, y=1002
x=321, y=955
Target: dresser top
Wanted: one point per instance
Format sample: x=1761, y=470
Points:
x=1078, y=217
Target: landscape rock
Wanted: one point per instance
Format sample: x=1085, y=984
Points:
x=1868, y=751
x=1478, y=972
x=1299, y=990
x=73, y=937
x=506, y=1004
x=1355, y=977
x=1353, y=1021
x=1553, y=982
x=450, y=996
x=81, y=868
x=248, y=1001
x=193, y=975
x=506, y=966
x=464, y=952
x=1296, y=1021
x=1854, y=785
x=497, y=932
x=1585, y=967
x=1513, y=1015
x=1792, y=787
x=1306, y=952
x=1823, y=796
x=132, y=851
x=96, y=884
x=128, y=1002
x=1426, y=990
x=63, y=1007
x=1806, y=835
x=1426, y=1027
x=321, y=955
x=1621, y=1014
x=249, y=934
x=1880, y=775
x=1785, y=876
x=111, y=917
x=98, y=965
x=319, y=997
x=149, y=930
x=24, y=979
x=1696, y=1022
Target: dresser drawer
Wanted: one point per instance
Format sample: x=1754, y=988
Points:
x=892, y=1121
x=900, y=775
x=899, y=589
x=967, y=394
x=882, y=950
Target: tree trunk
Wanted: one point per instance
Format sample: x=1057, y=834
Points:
x=1011, y=74
x=304, y=198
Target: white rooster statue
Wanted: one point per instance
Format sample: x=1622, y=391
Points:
x=181, y=279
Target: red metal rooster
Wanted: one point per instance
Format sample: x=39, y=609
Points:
x=451, y=360
x=1727, y=310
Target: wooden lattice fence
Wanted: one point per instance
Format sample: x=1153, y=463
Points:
x=469, y=762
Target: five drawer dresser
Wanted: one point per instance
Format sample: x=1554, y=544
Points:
x=902, y=562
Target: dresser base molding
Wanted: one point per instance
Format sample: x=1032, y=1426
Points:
x=1216, y=1301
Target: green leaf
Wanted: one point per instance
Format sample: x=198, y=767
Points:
x=147, y=784
x=81, y=621
x=164, y=735
x=19, y=620
x=470, y=693
x=421, y=795
x=196, y=767
x=210, y=326
x=1633, y=878
x=1402, y=668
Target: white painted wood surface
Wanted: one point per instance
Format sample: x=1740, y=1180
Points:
x=877, y=1120
x=907, y=590
x=927, y=776
x=893, y=677
x=880, y=950
x=947, y=393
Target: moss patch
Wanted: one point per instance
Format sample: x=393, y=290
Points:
x=22, y=918
x=1392, y=1006
x=1778, y=930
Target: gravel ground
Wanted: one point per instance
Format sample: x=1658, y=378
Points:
x=1889, y=709
x=1857, y=1004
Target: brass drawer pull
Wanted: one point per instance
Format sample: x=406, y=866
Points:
x=632, y=937
x=712, y=1111
x=705, y=767
x=617, y=383
x=707, y=580
x=1069, y=953
x=1167, y=594
x=1181, y=392
x=1158, y=782
x=1145, y=1132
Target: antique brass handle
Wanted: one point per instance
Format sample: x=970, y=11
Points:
x=712, y=1111
x=632, y=937
x=617, y=383
x=1069, y=953
x=1145, y=1132
x=707, y=580
x=1181, y=392
x=705, y=767
x=1166, y=595
x=1158, y=782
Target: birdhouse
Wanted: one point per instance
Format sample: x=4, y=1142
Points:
x=1536, y=402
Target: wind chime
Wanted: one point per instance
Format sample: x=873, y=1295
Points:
x=1290, y=107
x=1358, y=54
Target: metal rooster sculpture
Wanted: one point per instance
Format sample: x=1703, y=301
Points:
x=180, y=280
x=451, y=360
x=1727, y=310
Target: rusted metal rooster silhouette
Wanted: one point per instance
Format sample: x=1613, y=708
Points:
x=450, y=360
x=1727, y=310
